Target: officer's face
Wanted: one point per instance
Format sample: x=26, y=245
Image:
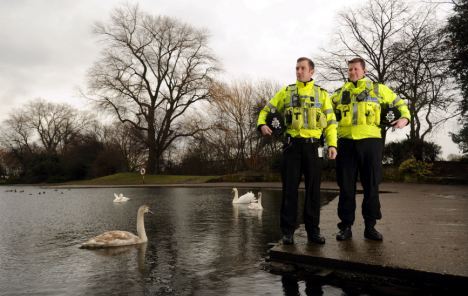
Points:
x=303, y=71
x=355, y=72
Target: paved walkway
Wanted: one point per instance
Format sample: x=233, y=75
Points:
x=425, y=230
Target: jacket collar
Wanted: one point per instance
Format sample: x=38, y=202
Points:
x=361, y=83
x=305, y=84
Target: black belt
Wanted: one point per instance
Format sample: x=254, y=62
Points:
x=290, y=139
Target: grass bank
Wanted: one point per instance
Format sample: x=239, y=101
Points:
x=136, y=179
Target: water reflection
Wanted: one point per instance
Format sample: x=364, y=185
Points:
x=119, y=251
x=315, y=286
x=291, y=286
x=242, y=210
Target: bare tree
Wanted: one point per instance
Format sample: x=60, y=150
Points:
x=235, y=109
x=54, y=124
x=48, y=124
x=421, y=77
x=17, y=132
x=368, y=32
x=37, y=135
x=231, y=106
x=18, y=139
x=153, y=69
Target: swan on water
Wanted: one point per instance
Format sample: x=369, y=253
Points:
x=245, y=198
x=120, y=198
x=117, y=238
x=258, y=204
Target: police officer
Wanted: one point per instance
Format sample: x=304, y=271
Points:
x=359, y=104
x=307, y=112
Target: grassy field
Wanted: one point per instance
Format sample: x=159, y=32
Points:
x=136, y=179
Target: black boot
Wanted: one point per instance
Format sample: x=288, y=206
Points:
x=315, y=238
x=288, y=239
x=372, y=234
x=344, y=234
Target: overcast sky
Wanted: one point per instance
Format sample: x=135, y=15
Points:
x=46, y=46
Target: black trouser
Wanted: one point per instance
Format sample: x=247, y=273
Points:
x=300, y=158
x=363, y=156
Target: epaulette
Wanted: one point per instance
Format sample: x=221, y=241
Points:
x=338, y=89
x=321, y=88
x=293, y=85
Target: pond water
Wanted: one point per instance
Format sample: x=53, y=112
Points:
x=199, y=243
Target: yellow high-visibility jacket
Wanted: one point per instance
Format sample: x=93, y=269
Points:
x=360, y=114
x=307, y=110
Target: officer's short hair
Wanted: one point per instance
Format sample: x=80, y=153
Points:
x=358, y=60
x=311, y=64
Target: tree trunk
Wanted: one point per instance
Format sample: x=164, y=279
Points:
x=418, y=145
x=151, y=165
x=158, y=163
x=152, y=149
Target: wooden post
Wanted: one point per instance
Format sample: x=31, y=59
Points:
x=143, y=172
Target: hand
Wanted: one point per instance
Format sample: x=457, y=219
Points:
x=266, y=131
x=332, y=152
x=400, y=123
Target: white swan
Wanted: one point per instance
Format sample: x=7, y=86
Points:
x=117, y=238
x=246, y=198
x=257, y=205
x=120, y=198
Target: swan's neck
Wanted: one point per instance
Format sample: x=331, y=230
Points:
x=259, y=201
x=141, y=226
x=236, y=195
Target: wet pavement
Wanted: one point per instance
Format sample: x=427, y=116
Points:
x=425, y=230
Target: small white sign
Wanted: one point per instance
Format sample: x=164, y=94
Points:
x=320, y=152
x=142, y=171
